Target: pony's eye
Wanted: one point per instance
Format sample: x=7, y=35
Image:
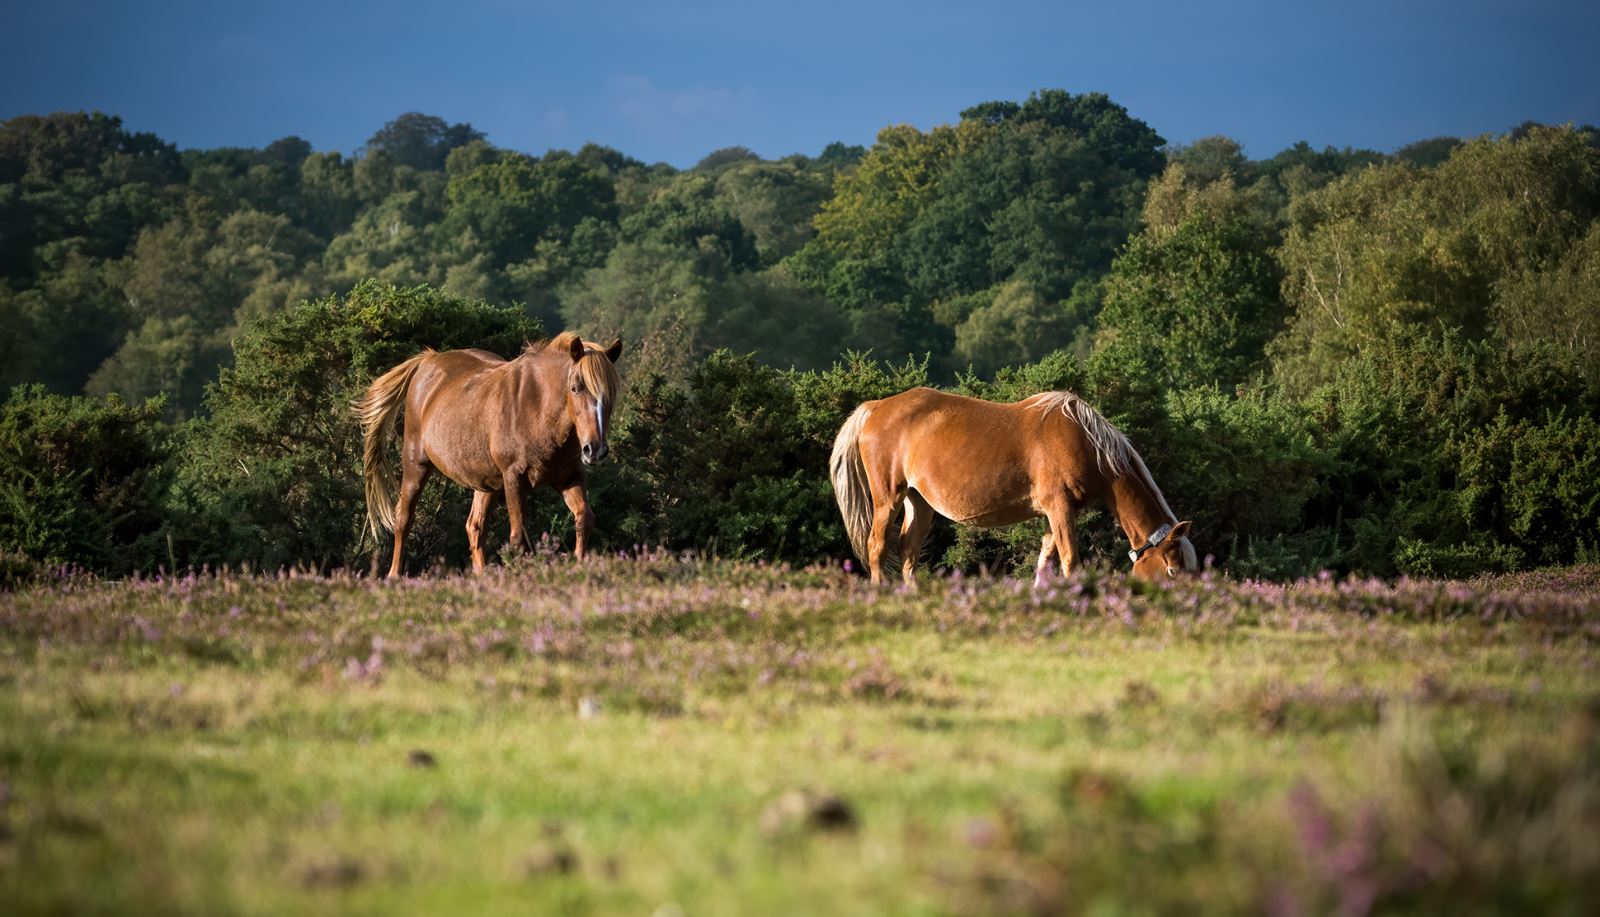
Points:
x=576, y=388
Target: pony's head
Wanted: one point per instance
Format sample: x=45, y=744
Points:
x=1168, y=553
x=592, y=389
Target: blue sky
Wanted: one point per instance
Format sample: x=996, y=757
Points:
x=673, y=81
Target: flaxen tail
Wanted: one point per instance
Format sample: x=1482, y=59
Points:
x=850, y=489
x=378, y=409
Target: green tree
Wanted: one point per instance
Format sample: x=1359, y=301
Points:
x=394, y=241
x=1443, y=441
x=1559, y=305
x=1031, y=200
x=328, y=199
x=66, y=324
x=1040, y=192
x=717, y=160
x=687, y=216
x=874, y=204
x=515, y=202
x=1426, y=154
x=1125, y=142
x=651, y=294
x=1212, y=159
x=77, y=176
x=464, y=160
x=188, y=283
x=727, y=457
x=1193, y=300
x=1018, y=325
x=1393, y=243
x=775, y=201
x=668, y=280
x=422, y=142
x=839, y=157
x=169, y=356
x=778, y=320
x=1299, y=170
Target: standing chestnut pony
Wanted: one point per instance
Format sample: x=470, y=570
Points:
x=992, y=465
x=489, y=424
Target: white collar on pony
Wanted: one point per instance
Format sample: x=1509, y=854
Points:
x=1156, y=537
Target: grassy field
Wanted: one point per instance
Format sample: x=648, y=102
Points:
x=674, y=736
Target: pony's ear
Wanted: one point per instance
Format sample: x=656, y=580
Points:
x=575, y=348
x=614, y=352
x=1181, y=530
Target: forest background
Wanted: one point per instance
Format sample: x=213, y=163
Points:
x=1331, y=359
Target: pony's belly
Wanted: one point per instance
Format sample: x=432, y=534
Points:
x=463, y=461
x=474, y=479
x=983, y=513
x=987, y=493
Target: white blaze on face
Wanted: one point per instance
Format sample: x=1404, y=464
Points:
x=599, y=422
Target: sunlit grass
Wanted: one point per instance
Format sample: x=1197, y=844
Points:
x=612, y=737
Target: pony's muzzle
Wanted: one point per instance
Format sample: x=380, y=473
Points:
x=594, y=452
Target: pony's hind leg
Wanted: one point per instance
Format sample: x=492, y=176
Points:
x=1041, y=573
x=878, y=539
x=887, y=489
x=577, y=498
x=416, y=475
x=512, y=482
x=482, y=502
x=919, y=519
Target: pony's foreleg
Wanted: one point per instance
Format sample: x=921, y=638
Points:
x=410, y=486
x=1061, y=530
x=919, y=519
x=482, y=502
x=577, y=497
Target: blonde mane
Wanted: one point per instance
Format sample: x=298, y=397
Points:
x=1112, y=450
x=596, y=371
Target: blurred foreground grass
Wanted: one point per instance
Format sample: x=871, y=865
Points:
x=666, y=735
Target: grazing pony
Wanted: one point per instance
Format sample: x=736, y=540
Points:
x=992, y=465
x=489, y=424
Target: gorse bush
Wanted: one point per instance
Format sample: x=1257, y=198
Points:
x=736, y=460
x=82, y=481
x=1429, y=467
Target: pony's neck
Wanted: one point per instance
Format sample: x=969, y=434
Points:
x=1138, y=508
x=542, y=381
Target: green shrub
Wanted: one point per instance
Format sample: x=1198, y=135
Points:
x=1244, y=468
x=716, y=464
x=1534, y=485
x=735, y=460
x=81, y=481
x=1438, y=465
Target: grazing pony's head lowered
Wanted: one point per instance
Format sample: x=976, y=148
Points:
x=1165, y=552
x=1168, y=553
x=592, y=389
